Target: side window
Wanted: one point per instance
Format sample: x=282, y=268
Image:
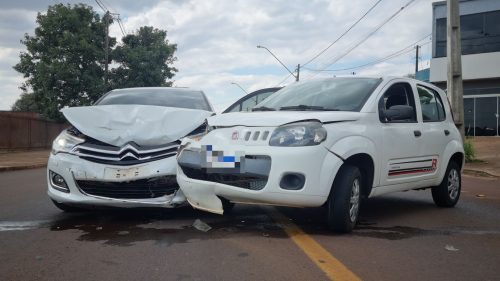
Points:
x=263, y=96
x=397, y=94
x=431, y=105
x=247, y=104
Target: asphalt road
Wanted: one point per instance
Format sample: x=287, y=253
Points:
x=402, y=236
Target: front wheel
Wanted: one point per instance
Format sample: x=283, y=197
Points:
x=344, y=200
x=448, y=192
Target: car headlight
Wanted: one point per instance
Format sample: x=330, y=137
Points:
x=65, y=142
x=199, y=132
x=298, y=134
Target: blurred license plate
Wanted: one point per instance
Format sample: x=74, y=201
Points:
x=220, y=159
x=122, y=174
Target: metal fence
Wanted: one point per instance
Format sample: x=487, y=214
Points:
x=26, y=130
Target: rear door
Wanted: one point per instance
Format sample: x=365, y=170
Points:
x=436, y=133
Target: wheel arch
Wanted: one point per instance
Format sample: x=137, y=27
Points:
x=364, y=162
x=454, y=152
x=361, y=152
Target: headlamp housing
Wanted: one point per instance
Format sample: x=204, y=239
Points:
x=306, y=133
x=65, y=142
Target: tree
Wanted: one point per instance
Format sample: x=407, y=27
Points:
x=63, y=61
x=144, y=59
x=26, y=103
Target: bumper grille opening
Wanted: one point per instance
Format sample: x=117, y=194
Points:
x=129, y=154
x=139, y=189
x=237, y=180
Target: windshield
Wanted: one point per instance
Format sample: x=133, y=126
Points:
x=169, y=97
x=346, y=94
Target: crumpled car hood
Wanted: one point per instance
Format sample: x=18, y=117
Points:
x=145, y=125
x=277, y=118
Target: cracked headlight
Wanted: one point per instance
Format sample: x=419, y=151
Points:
x=199, y=132
x=65, y=142
x=298, y=134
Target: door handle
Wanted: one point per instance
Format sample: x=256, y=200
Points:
x=417, y=133
x=446, y=132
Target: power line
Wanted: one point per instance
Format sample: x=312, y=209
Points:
x=366, y=37
x=343, y=34
x=286, y=78
x=100, y=4
x=403, y=51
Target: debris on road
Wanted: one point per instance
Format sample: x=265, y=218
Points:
x=98, y=228
x=480, y=195
x=201, y=226
x=451, y=248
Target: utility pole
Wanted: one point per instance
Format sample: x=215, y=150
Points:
x=106, y=48
x=298, y=73
x=416, y=60
x=454, y=57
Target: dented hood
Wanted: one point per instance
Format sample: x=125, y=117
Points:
x=142, y=124
x=277, y=118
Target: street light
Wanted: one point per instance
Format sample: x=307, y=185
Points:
x=298, y=66
x=238, y=85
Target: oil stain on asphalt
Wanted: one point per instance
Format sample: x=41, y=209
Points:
x=164, y=227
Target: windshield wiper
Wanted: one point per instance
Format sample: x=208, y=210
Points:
x=303, y=107
x=263, y=108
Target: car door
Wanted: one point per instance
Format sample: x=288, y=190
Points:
x=435, y=131
x=401, y=159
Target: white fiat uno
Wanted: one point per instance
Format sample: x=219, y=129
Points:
x=327, y=142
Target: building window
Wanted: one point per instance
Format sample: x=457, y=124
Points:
x=480, y=33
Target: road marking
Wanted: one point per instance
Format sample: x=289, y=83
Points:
x=20, y=225
x=331, y=266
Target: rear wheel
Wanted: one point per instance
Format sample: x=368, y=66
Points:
x=344, y=200
x=65, y=208
x=448, y=192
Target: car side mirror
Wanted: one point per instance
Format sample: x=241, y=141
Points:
x=399, y=113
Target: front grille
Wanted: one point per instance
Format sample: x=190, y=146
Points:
x=129, y=154
x=139, y=189
x=238, y=180
x=256, y=135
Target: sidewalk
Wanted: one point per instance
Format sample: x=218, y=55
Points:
x=487, y=150
x=23, y=159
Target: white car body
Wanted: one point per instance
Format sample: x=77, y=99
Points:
x=400, y=159
x=127, y=158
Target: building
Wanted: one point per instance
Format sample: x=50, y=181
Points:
x=480, y=37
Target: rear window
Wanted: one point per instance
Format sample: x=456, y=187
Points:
x=169, y=97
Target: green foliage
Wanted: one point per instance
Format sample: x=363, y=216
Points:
x=63, y=61
x=26, y=103
x=470, y=154
x=144, y=59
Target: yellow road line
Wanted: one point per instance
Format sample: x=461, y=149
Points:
x=331, y=266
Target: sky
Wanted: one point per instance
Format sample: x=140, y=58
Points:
x=217, y=39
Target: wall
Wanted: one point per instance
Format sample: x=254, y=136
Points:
x=24, y=130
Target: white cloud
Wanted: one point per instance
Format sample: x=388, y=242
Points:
x=217, y=39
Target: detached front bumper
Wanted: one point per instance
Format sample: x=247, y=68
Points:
x=150, y=184
x=287, y=176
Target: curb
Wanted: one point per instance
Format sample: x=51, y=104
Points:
x=478, y=173
x=25, y=167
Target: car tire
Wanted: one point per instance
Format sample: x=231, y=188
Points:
x=345, y=199
x=448, y=192
x=227, y=205
x=66, y=208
